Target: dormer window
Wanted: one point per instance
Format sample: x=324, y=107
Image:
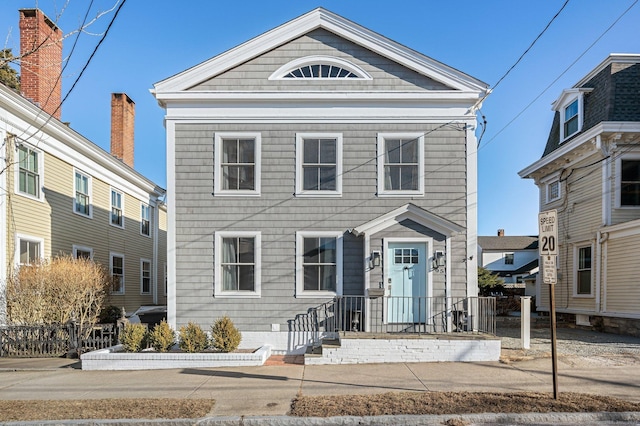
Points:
x=320, y=67
x=571, y=119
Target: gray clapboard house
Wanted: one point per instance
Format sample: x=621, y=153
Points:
x=321, y=177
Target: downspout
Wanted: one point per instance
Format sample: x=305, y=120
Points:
x=4, y=141
x=600, y=266
x=447, y=282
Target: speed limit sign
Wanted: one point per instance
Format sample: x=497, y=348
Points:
x=548, y=226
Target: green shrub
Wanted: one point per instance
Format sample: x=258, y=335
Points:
x=110, y=314
x=225, y=336
x=134, y=337
x=193, y=338
x=162, y=337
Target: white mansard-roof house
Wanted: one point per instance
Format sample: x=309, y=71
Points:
x=319, y=160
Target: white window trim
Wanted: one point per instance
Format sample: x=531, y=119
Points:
x=257, y=272
x=300, y=191
x=576, y=249
x=90, y=194
x=618, y=181
x=548, y=191
x=566, y=99
x=77, y=248
x=301, y=293
x=142, y=261
x=380, y=167
x=121, y=207
x=513, y=258
x=217, y=178
x=124, y=287
x=31, y=239
x=40, y=172
x=280, y=73
x=142, y=204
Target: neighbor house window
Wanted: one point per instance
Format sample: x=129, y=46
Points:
x=318, y=164
x=401, y=164
x=237, y=164
x=570, y=119
x=82, y=188
x=81, y=252
x=117, y=216
x=629, y=183
x=583, y=271
x=237, y=264
x=145, y=219
x=117, y=273
x=145, y=276
x=318, y=264
x=508, y=258
x=553, y=191
x=29, y=249
x=29, y=171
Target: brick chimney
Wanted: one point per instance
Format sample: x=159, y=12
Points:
x=500, y=232
x=41, y=60
x=122, y=120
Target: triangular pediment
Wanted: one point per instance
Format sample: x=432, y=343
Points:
x=409, y=212
x=448, y=77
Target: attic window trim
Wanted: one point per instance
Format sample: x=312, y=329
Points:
x=286, y=71
x=567, y=98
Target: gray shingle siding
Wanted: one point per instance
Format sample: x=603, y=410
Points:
x=278, y=214
x=387, y=75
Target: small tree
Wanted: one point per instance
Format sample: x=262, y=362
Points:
x=57, y=291
x=193, y=338
x=162, y=337
x=225, y=336
x=8, y=75
x=489, y=282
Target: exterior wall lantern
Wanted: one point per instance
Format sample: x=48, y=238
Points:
x=439, y=261
x=374, y=259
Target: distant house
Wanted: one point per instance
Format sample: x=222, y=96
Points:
x=315, y=165
x=62, y=194
x=590, y=173
x=512, y=258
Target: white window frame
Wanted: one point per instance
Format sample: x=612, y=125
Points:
x=111, y=256
x=300, y=191
x=121, y=208
x=576, y=262
x=548, y=188
x=31, y=239
x=77, y=248
x=300, y=236
x=217, y=179
x=142, y=219
x=40, y=153
x=382, y=192
x=89, y=195
x=513, y=258
x=142, y=277
x=283, y=71
x=218, y=290
x=618, y=180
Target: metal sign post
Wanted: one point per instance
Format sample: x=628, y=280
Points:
x=548, y=248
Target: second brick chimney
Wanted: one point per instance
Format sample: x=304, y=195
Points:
x=122, y=127
x=500, y=232
x=41, y=60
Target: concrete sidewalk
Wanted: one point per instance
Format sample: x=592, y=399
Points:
x=269, y=390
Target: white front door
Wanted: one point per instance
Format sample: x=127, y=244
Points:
x=406, y=273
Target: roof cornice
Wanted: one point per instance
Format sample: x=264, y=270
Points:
x=321, y=18
x=564, y=149
x=620, y=58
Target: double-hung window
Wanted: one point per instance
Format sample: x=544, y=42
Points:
x=116, y=262
x=29, y=171
x=401, y=164
x=29, y=249
x=117, y=208
x=82, y=189
x=570, y=119
x=318, y=164
x=237, y=264
x=628, y=182
x=318, y=264
x=583, y=271
x=145, y=276
x=145, y=220
x=237, y=164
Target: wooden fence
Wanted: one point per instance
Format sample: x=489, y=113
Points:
x=43, y=341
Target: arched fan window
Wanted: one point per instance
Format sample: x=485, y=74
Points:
x=320, y=67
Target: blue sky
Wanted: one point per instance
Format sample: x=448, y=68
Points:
x=150, y=41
